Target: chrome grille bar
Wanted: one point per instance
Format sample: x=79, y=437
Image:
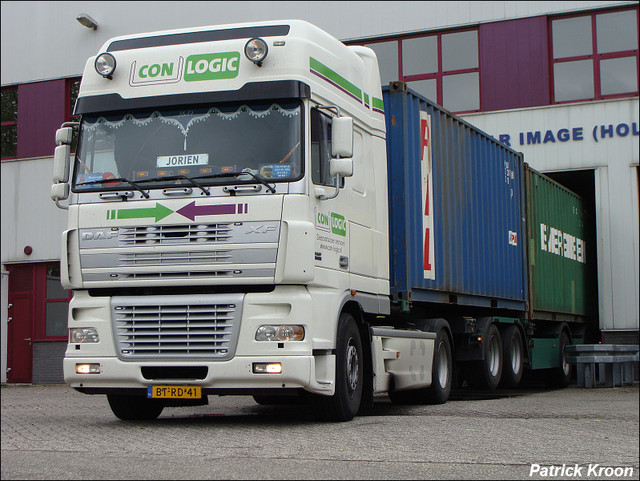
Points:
x=173, y=327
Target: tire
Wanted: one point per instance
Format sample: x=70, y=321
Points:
x=486, y=374
x=441, y=377
x=349, y=379
x=135, y=408
x=561, y=375
x=513, y=352
x=442, y=371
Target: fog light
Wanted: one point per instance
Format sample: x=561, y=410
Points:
x=82, y=335
x=256, y=50
x=87, y=368
x=105, y=65
x=281, y=333
x=267, y=368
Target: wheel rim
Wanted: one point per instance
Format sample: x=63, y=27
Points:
x=352, y=366
x=566, y=367
x=443, y=365
x=516, y=356
x=494, y=356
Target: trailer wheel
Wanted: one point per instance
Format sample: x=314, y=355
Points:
x=134, y=408
x=561, y=375
x=345, y=403
x=486, y=374
x=513, y=351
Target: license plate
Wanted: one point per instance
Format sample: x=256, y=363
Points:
x=174, y=392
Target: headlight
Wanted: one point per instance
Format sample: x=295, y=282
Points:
x=88, y=369
x=83, y=335
x=256, y=50
x=280, y=333
x=105, y=64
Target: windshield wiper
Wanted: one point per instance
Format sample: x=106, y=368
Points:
x=118, y=179
x=177, y=177
x=237, y=174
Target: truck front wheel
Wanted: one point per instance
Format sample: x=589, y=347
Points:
x=344, y=404
x=134, y=408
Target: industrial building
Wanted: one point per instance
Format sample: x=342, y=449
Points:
x=557, y=81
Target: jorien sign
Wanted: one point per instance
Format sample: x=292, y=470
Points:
x=212, y=66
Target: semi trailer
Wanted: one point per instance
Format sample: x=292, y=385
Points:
x=251, y=212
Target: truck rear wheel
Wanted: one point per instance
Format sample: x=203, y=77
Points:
x=134, y=408
x=486, y=374
x=441, y=377
x=441, y=372
x=513, y=351
x=345, y=403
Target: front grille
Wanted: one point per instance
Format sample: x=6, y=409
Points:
x=177, y=327
x=179, y=258
x=174, y=234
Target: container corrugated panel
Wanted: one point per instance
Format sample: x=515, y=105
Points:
x=562, y=268
x=475, y=214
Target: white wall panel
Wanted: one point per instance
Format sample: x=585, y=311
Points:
x=29, y=216
x=42, y=40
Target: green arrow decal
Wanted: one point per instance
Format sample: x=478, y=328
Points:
x=159, y=212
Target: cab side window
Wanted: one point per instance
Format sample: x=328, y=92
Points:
x=321, y=148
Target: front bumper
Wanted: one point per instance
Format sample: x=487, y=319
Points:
x=298, y=372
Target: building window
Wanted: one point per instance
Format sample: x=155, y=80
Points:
x=387, y=53
x=595, y=56
x=9, y=144
x=56, y=303
x=73, y=87
x=444, y=67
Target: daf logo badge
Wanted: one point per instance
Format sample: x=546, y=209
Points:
x=99, y=235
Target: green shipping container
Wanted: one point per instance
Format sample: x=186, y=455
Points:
x=561, y=257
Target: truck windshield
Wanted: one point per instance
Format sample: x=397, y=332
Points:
x=263, y=139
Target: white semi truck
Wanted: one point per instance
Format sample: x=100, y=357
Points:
x=250, y=212
x=228, y=225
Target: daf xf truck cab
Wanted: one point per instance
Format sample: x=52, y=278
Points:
x=228, y=225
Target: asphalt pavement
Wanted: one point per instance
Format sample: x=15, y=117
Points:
x=53, y=432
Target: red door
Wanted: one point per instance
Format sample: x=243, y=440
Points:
x=20, y=335
x=20, y=326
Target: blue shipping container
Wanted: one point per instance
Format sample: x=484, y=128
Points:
x=456, y=219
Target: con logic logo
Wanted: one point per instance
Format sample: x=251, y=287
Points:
x=142, y=74
x=212, y=66
x=334, y=223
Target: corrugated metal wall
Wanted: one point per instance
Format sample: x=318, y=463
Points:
x=477, y=202
x=561, y=264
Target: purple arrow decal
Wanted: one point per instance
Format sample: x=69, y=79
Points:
x=190, y=211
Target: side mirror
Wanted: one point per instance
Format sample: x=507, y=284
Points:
x=342, y=137
x=61, y=163
x=59, y=192
x=341, y=167
x=64, y=136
